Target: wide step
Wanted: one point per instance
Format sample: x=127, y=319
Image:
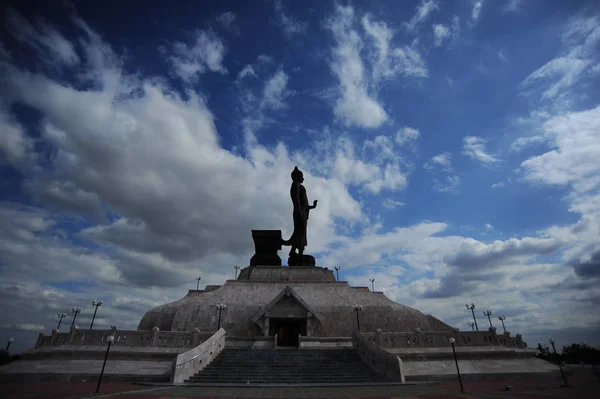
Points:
x=248, y=366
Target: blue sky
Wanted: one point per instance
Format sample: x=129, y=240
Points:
x=452, y=145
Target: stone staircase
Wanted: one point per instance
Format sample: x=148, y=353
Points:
x=286, y=366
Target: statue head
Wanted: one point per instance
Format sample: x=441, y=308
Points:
x=297, y=175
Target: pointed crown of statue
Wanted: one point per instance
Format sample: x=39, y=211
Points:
x=296, y=173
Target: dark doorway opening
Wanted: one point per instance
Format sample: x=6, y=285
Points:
x=287, y=330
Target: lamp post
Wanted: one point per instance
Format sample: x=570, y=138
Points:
x=75, y=312
x=559, y=365
x=8, y=343
x=472, y=307
x=472, y=326
x=110, y=339
x=236, y=267
x=220, y=307
x=337, y=271
x=357, y=308
x=488, y=313
x=198, y=283
x=97, y=305
x=452, y=340
x=60, y=317
x=372, y=280
x=502, y=318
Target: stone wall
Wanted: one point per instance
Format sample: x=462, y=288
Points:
x=129, y=338
x=433, y=339
x=189, y=363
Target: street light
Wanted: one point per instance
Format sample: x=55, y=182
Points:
x=502, y=318
x=97, y=305
x=357, y=308
x=488, y=313
x=559, y=365
x=60, y=317
x=236, y=267
x=75, y=312
x=220, y=307
x=472, y=326
x=372, y=280
x=110, y=339
x=337, y=271
x=198, y=283
x=472, y=307
x=452, y=340
x=8, y=343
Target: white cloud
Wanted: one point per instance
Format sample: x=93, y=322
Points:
x=444, y=180
x=389, y=203
x=15, y=146
x=290, y=25
x=247, y=71
x=355, y=107
x=43, y=37
x=574, y=161
x=391, y=61
x=489, y=226
x=407, y=135
x=474, y=148
x=512, y=6
x=476, y=11
x=276, y=91
x=205, y=53
x=443, y=161
x=565, y=71
x=423, y=10
x=227, y=19
x=440, y=33
x=523, y=142
x=498, y=184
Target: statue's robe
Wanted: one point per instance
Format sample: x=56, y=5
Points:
x=300, y=201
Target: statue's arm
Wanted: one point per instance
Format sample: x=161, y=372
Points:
x=314, y=205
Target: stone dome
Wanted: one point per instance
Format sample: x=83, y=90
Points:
x=266, y=296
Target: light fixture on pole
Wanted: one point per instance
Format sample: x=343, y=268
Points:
x=372, y=280
x=488, y=313
x=472, y=307
x=97, y=305
x=8, y=343
x=472, y=326
x=220, y=307
x=337, y=271
x=60, y=317
x=559, y=365
x=198, y=283
x=502, y=318
x=357, y=308
x=75, y=312
x=236, y=267
x=452, y=340
x=110, y=340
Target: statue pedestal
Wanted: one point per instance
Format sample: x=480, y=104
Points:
x=266, y=245
x=301, y=260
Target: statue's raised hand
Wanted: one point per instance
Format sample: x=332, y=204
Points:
x=315, y=203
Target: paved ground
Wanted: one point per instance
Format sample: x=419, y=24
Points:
x=583, y=386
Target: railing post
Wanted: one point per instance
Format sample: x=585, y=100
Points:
x=39, y=340
x=378, y=337
x=72, y=333
x=195, y=337
x=154, y=338
x=275, y=341
x=299, y=340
